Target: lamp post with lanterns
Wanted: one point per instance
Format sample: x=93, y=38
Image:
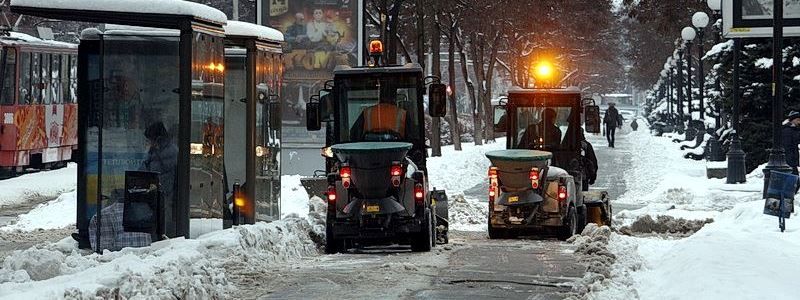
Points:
x=700, y=21
x=688, y=34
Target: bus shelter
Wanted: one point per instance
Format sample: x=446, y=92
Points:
x=254, y=70
x=151, y=117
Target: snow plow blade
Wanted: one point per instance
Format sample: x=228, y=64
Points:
x=315, y=186
x=598, y=208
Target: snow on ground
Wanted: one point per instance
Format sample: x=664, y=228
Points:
x=38, y=186
x=55, y=214
x=459, y=171
x=294, y=198
x=741, y=255
x=189, y=269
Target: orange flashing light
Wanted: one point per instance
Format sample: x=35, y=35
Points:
x=375, y=47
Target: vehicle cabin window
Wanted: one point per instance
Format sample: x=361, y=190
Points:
x=25, y=90
x=9, y=73
x=36, y=75
x=73, y=78
x=542, y=127
x=44, y=78
x=55, y=79
x=360, y=94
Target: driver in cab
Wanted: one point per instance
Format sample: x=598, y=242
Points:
x=543, y=135
x=381, y=122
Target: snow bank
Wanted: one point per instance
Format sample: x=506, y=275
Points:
x=187, y=269
x=55, y=214
x=467, y=214
x=742, y=255
x=38, y=186
x=294, y=198
x=457, y=171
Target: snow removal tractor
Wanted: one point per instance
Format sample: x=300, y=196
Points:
x=376, y=178
x=539, y=185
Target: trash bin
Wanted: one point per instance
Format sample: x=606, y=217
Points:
x=781, y=189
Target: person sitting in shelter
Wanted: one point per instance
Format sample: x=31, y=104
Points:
x=162, y=157
x=382, y=122
x=543, y=135
x=113, y=237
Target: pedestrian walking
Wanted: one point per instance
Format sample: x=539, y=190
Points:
x=612, y=120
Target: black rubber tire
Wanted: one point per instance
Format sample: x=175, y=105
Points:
x=570, y=225
x=497, y=233
x=581, y=220
x=423, y=241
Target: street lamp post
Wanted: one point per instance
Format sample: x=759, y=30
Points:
x=688, y=34
x=700, y=21
x=670, y=96
x=736, y=156
x=777, y=158
x=679, y=88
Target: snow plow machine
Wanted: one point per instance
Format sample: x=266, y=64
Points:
x=376, y=179
x=539, y=185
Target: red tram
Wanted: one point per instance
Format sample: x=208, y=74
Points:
x=38, y=103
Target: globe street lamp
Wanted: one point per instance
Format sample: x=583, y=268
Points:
x=688, y=34
x=700, y=21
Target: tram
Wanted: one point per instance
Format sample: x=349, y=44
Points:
x=166, y=126
x=38, y=103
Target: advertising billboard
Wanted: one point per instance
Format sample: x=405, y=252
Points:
x=320, y=34
x=753, y=18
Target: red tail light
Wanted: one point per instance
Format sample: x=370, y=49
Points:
x=562, y=193
x=345, y=172
x=534, y=176
x=419, y=193
x=331, y=194
x=397, y=170
x=493, y=173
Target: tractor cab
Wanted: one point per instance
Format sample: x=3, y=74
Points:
x=376, y=176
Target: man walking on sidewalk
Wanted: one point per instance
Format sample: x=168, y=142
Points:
x=612, y=120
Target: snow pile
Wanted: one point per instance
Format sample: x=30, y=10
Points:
x=457, y=171
x=294, y=198
x=188, y=269
x=38, y=186
x=467, y=214
x=742, y=255
x=664, y=225
x=56, y=214
x=607, y=262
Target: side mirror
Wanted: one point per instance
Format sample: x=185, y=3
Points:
x=500, y=118
x=274, y=112
x=437, y=100
x=592, y=114
x=326, y=105
x=313, y=120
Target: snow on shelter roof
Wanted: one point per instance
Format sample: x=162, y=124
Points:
x=56, y=8
x=237, y=28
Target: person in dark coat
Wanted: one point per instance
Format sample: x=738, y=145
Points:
x=790, y=134
x=612, y=120
x=162, y=157
x=589, y=162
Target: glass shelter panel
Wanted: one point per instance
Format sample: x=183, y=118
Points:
x=132, y=126
x=267, y=139
x=207, y=186
x=235, y=112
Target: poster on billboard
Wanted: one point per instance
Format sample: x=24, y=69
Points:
x=319, y=34
x=753, y=18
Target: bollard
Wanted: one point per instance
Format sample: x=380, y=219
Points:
x=736, y=161
x=715, y=149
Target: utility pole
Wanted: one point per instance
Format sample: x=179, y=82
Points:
x=777, y=157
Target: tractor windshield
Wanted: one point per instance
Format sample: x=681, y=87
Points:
x=542, y=128
x=385, y=108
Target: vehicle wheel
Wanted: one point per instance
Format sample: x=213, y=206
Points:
x=433, y=230
x=581, y=220
x=570, y=225
x=423, y=242
x=496, y=233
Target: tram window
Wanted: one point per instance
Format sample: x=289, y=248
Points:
x=45, y=78
x=55, y=79
x=36, y=75
x=73, y=79
x=25, y=89
x=65, y=78
x=9, y=76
